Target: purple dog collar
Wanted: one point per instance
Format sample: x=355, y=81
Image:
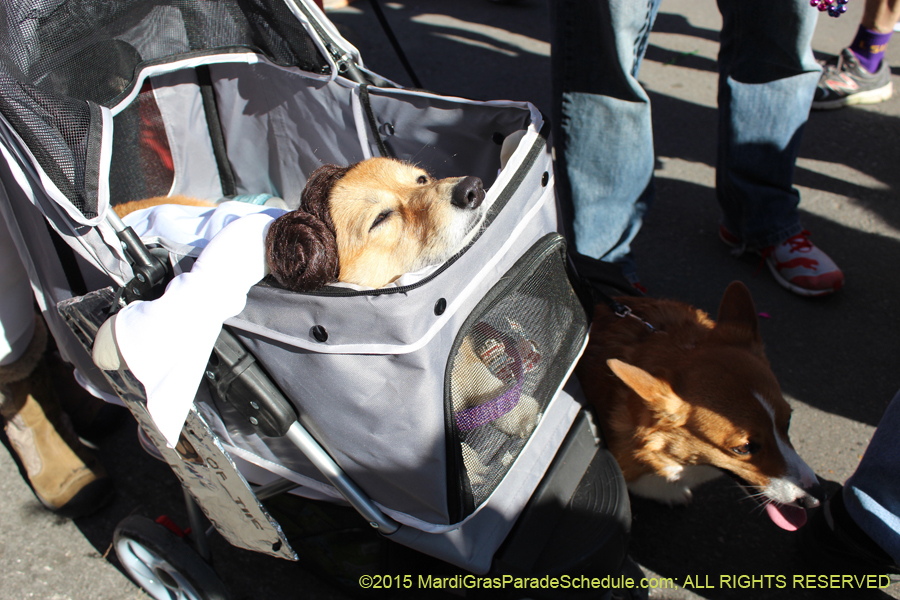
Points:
x=484, y=413
x=472, y=418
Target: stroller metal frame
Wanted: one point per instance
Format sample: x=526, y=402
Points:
x=579, y=506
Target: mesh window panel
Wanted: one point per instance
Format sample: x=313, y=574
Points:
x=58, y=132
x=89, y=49
x=507, y=363
x=60, y=60
x=142, y=164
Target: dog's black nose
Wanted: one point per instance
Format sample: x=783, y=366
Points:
x=809, y=502
x=814, y=499
x=468, y=193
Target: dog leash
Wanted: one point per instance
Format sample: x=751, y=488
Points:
x=619, y=309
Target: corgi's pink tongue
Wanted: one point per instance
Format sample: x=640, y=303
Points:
x=786, y=516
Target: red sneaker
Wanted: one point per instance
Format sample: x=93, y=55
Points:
x=797, y=264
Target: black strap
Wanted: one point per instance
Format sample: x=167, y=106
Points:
x=216, y=134
x=593, y=275
x=69, y=262
x=619, y=309
x=601, y=273
x=370, y=117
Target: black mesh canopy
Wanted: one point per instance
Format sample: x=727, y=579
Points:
x=63, y=59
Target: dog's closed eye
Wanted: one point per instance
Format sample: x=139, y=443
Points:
x=381, y=218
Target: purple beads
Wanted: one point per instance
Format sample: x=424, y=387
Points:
x=835, y=8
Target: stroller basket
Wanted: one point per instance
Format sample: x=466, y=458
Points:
x=437, y=406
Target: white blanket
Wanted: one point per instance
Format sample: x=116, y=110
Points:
x=166, y=342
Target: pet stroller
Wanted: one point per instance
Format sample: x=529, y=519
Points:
x=356, y=396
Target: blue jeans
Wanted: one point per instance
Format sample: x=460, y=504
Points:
x=603, y=132
x=872, y=494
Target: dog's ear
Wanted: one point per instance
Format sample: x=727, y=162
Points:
x=658, y=394
x=301, y=252
x=315, y=195
x=737, y=315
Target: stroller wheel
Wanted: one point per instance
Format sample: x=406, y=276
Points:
x=163, y=564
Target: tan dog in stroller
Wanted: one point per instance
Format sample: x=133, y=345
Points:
x=365, y=224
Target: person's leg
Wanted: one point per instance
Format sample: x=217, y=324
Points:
x=602, y=129
x=881, y=15
x=879, y=18
x=874, y=33
x=63, y=473
x=872, y=494
x=858, y=527
x=859, y=75
x=767, y=76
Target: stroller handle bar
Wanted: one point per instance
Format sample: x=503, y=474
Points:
x=150, y=272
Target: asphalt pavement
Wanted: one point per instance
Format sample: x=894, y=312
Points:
x=837, y=358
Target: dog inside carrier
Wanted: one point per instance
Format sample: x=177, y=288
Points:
x=442, y=407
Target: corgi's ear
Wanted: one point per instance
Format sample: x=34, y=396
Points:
x=737, y=314
x=301, y=252
x=658, y=394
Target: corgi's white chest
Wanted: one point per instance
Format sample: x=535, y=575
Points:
x=675, y=486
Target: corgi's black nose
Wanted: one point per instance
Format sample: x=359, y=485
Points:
x=816, y=496
x=468, y=193
x=809, y=502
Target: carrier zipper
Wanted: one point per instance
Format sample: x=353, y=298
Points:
x=501, y=202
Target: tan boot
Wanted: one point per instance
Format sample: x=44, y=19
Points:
x=64, y=474
x=91, y=418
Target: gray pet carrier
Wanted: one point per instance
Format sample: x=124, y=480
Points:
x=442, y=401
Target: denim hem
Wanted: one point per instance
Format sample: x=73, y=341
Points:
x=772, y=239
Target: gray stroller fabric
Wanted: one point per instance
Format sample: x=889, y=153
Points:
x=441, y=399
